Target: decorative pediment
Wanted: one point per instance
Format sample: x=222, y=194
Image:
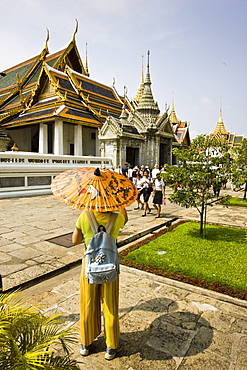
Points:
x=110, y=128
x=138, y=121
x=165, y=126
x=47, y=91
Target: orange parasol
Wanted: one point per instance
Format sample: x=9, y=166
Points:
x=93, y=189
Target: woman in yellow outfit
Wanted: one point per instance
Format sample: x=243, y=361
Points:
x=93, y=295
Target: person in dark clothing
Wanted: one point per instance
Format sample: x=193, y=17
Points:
x=125, y=169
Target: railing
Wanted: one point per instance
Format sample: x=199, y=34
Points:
x=27, y=174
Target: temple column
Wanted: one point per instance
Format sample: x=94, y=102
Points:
x=43, y=138
x=58, y=137
x=114, y=159
x=78, y=140
x=157, y=150
x=145, y=151
x=122, y=154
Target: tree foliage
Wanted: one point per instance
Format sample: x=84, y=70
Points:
x=202, y=167
x=239, y=175
x=29, y=340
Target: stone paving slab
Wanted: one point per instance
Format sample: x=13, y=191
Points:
x=164, y=324
x=27, y=224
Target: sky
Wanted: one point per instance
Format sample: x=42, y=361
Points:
x=198, y=53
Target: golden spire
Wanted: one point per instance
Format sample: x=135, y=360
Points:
x=148, y=62
x=172, y=116
x=141, y=87
x=220, y=129
x=147, y=106
x=220, y=117
x=142, y=80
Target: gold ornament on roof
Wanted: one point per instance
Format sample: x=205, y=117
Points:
x=76, y=29
x=172, y=116
x=47, y=38
x=220, y=129
x=14, y=148
x=141, y=87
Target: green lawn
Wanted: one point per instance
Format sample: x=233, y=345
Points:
x=220, y=258
x=235, y=201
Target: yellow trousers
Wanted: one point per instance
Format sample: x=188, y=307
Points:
x=91, y=298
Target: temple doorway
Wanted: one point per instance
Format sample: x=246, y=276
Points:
x=164, y=154
x=132, y=156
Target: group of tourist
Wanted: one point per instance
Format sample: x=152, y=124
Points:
x=148, y=181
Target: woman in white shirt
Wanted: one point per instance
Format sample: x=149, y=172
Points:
x=147, y=190
x=138, y=183
x=159, y=194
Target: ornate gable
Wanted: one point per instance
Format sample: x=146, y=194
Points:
x=110, y=128
x=21, y=83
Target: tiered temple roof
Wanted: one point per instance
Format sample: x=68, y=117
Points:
x=57, y=87
x=221, y=132
x=51, y=86
x=180, y=128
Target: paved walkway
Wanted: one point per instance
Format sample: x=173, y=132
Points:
x=164, y=324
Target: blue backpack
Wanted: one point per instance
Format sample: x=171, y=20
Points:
x=102, y=260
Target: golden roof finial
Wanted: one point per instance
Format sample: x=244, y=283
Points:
x=47, y=38
x=14, y=148
x=172, y=116
x=141, y=87
x=220, y=129
x=173, y=101
x=221, y=117
x=142, y=78
x=125, y=91
x=76, y=29
x=148, y=62
x=86, y=62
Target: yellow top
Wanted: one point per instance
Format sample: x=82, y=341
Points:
x=102, y=218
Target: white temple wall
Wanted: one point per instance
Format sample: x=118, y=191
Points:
x=109, y=150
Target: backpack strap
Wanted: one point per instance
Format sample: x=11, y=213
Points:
x=92, y=221
x=111, y=222
x=94, y=225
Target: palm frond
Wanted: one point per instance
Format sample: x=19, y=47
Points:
x=29, y=340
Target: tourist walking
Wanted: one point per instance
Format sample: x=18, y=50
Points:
x=135, y=172
x=118, y=170
x=159, y=194
x=130, y=173
x=138, y=183
x=125, y=169
x=147, y=190
x=154, y=172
